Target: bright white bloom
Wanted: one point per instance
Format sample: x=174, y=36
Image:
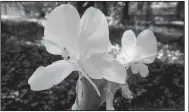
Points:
x=136, y=52
x=86, y=41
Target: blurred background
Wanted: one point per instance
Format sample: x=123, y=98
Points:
x=21, y=54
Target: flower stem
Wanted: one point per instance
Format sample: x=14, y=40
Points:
x=109, y=98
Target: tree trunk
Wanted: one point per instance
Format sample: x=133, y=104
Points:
x=5, y=9
x=180, y=10
x=148, y=12
x=105, y=11
x=125, y=14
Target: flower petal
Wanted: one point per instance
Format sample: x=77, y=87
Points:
x=109, y=68
x=141, y=68
x=128, y=40
x=46, y=77
x=146, y=47
x=62, y=27
x=134, y=68
x=94, y=36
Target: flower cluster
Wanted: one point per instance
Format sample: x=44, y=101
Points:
x=84, y=44
x=136, y=52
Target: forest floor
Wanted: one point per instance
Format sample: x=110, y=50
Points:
x=21, y=55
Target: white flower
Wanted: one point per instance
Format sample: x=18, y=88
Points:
x=136, y=52
x=86, y=41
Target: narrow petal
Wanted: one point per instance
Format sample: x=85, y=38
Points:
x=146, y=46
x=109, y=67
x=94, y=36
x=62, y=27
x=46, y=77
x=128, y=40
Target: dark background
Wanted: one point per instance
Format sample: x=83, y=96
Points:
x=22, y=53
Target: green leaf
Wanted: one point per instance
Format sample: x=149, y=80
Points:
x=90, y=100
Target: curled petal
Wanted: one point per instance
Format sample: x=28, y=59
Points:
x=109, y=68
x=52, y=47
x=94, y=35
x=62, y=27
x=46, y=77
x=55, y=49
x=128, y=40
